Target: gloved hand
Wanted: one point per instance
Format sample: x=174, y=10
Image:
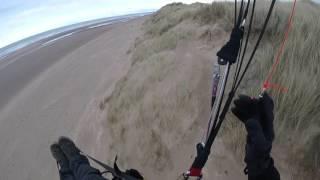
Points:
x=246, y=108
x=257, y=115
x=266, y=106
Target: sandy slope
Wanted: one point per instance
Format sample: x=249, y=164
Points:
x=53, y=101
x=155, y=131
x=160, y=146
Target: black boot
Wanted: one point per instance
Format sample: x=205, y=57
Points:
x=68, y=147
x=59, y=156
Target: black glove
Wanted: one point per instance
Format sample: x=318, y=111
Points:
x=266, y=106
x=271, y=173
x=246, y=108
x=257, y=115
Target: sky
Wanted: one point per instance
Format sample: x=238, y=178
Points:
x=20, y=19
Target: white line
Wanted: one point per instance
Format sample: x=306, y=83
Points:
x=99, y=25
x=56, y=39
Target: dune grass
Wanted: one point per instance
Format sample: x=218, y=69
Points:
x=140, y=96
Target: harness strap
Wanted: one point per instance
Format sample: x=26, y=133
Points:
x=116, y=172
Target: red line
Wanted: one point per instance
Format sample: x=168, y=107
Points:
x=267, y=83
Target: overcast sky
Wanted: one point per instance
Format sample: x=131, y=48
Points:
x=20, y=19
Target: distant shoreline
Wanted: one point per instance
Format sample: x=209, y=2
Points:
x=61, y=32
